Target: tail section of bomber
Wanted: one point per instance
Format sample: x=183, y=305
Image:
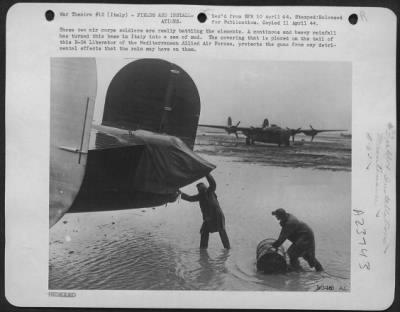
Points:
x=153, y=95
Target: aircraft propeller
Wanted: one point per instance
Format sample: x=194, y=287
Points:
x=233, y=129
x=313, y=133
x=293, y=132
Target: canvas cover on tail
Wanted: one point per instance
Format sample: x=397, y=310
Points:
x=136, y=169
x=167, y=164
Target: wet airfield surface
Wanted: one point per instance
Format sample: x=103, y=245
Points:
x=329, y=152
x=157, y=249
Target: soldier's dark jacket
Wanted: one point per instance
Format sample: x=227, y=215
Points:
x=297, y=232
x=213, y=217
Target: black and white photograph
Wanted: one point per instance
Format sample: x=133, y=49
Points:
x=206, y=175
x=200, y=156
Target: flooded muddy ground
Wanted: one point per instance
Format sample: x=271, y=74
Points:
x=158, y=248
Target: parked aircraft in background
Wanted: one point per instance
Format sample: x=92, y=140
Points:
x=269, y=134
x=229, y=128
x=140, y=155
x=265, y=133
x=313, y=132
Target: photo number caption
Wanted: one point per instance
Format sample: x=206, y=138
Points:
x=361, y=236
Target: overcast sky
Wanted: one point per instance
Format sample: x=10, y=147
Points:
x=292, y=94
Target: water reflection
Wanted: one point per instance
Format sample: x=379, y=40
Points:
x=211, y=272
x=157, y=249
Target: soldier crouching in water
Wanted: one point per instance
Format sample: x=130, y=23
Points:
x=213, y=217
x=302, y=238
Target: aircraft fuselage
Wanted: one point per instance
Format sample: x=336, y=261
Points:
x=268, y=135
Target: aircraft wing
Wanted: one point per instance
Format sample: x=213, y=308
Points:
x=214, y=126
x=242, y=129
x=328, y=130
x=319, y=131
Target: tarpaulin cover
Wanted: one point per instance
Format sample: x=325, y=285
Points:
x=167, y=164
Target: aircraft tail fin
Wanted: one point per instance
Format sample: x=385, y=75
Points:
x=153, y=95
x=229, y=123
x=72, y=96
x=265, y=123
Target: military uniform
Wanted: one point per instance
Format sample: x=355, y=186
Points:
x=213, y=217
x=302, y=237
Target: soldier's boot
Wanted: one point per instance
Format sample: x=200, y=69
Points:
x=318, y=266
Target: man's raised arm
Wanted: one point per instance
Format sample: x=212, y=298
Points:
x=211, y=182
x=188, y=198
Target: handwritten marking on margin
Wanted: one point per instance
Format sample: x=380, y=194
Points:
x=361, y=232
x=380, y=161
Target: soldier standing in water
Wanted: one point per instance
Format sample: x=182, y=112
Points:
x=302, y=238
x=213, y=217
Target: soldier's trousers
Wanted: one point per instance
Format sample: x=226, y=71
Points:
x=205, y=234
x=305, y=249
